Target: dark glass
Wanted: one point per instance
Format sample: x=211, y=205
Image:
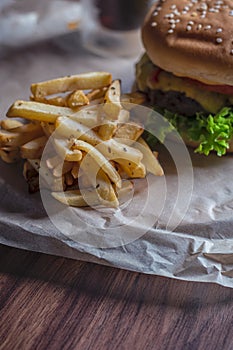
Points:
x=122, y=14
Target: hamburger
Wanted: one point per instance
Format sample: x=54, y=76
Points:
x=187, y=70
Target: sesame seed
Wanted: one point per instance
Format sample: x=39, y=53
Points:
x=219, y=30
x=194, y=14
x=218, y=40
x=169, y=15
x=199, y=26
x=153, y=24
x=173, y=25
x=172, y=20
x=159, y=8
x=173, y=7
x=204, y=6
x=176, y=12
x=170, y=31
x=207, y=27
x=191, y=23
x=188, y=28
x=186, y=8
x=184, y=12
x=155, y=13
x=177, y=20
x=231, y=13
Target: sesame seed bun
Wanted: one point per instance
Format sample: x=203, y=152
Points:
x=192, y=38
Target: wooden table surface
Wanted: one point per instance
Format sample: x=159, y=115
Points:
x=49, y=302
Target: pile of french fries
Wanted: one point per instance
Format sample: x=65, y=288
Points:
x=97, y=148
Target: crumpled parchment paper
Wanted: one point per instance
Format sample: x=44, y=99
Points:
x=199, y=249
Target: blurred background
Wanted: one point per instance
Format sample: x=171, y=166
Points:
x=44, y=39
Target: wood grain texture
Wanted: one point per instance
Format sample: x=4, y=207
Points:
x=49, y=302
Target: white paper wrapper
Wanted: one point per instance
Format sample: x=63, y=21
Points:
x=200, y=248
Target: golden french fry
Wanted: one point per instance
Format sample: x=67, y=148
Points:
x=133, y=170
x=63, y=149
x=24, y=134
x=136, y=97
x=107, y=130
x=96, y=94
x=8, y=124
x=9, y=154
x=85, y=81
x=112, y=149
x=77, y=99
x=129, y=131
x=51, y=182
x=71, y=128
x=56, y=101
x=38, y=111
x=47, y=128
x=88, y=116
x=33, y=149
x=76, y=199
x=100, y=160
x=149, y=160
x=112, y=105
x=105, y=190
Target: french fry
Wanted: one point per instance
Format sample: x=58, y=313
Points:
x=105, y=190
x=33, y=149
x=112, y=105
x=130, y=131
x=24, y=134
x=96, y=94
x=98, y=179
x=63, y=149
x=100, y=160
x=86, y=81
x=112, y=149
x=133, y=170
x=76, y=199
x=70, y=128
x=9, y=154
x=149, y=160
x=56, y=101
x=62, y=168
x=38, y=111
x=136, y=98
x=89, y=116
x=107, y=130
x=9, y=124
x=76, y=99
x=48, y=129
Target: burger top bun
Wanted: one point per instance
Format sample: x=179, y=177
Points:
x=192, y=38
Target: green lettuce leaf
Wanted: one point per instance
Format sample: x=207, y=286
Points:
x=211, y=132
